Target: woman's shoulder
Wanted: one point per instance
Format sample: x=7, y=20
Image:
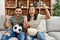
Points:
x=39, y=15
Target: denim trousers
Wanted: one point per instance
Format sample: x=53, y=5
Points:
x=39, y=36
x=20, y=36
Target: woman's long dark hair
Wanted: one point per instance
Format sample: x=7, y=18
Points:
x=29, y=17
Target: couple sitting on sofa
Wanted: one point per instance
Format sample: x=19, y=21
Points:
x=31, y=21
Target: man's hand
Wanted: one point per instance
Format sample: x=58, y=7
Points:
x=25, y=24
x=7, y=17
x=6, y=24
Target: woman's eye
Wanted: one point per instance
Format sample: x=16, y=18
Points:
x=32, y=9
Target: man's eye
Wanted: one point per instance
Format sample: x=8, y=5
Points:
x=19, y=11
x=16, y=11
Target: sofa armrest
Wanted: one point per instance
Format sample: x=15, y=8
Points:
x=49, y=37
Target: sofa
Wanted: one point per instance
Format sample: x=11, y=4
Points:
x=50, y=27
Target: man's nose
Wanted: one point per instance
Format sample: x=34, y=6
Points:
x=18, y=12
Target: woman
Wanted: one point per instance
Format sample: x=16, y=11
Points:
x=33, y=21
x=17, y=19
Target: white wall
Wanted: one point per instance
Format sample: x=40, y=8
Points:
x=2, y=13
x=2, y=7
x=53, y=2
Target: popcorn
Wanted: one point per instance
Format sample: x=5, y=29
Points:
x=32, y=31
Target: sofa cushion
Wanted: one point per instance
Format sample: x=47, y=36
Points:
x=55, y=35
x=1, y=33
x=13, y=38
x=48, y=37
x=2, y=19
x=53, y=24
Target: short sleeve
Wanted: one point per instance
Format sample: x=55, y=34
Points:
x=41, y=16
x=10, y=20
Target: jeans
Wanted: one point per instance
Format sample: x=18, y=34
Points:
x=39, y=36
x=20, y=36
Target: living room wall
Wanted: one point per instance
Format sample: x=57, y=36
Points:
x=2, y=7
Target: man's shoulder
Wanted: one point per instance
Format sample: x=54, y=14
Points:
x=24, y=16
x=11, y=17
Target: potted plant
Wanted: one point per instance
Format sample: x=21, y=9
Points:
x=56, y=8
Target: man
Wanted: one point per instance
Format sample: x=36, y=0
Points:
x=17, y=19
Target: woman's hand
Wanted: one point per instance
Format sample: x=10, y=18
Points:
x=44, y=5
x=47, y=12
